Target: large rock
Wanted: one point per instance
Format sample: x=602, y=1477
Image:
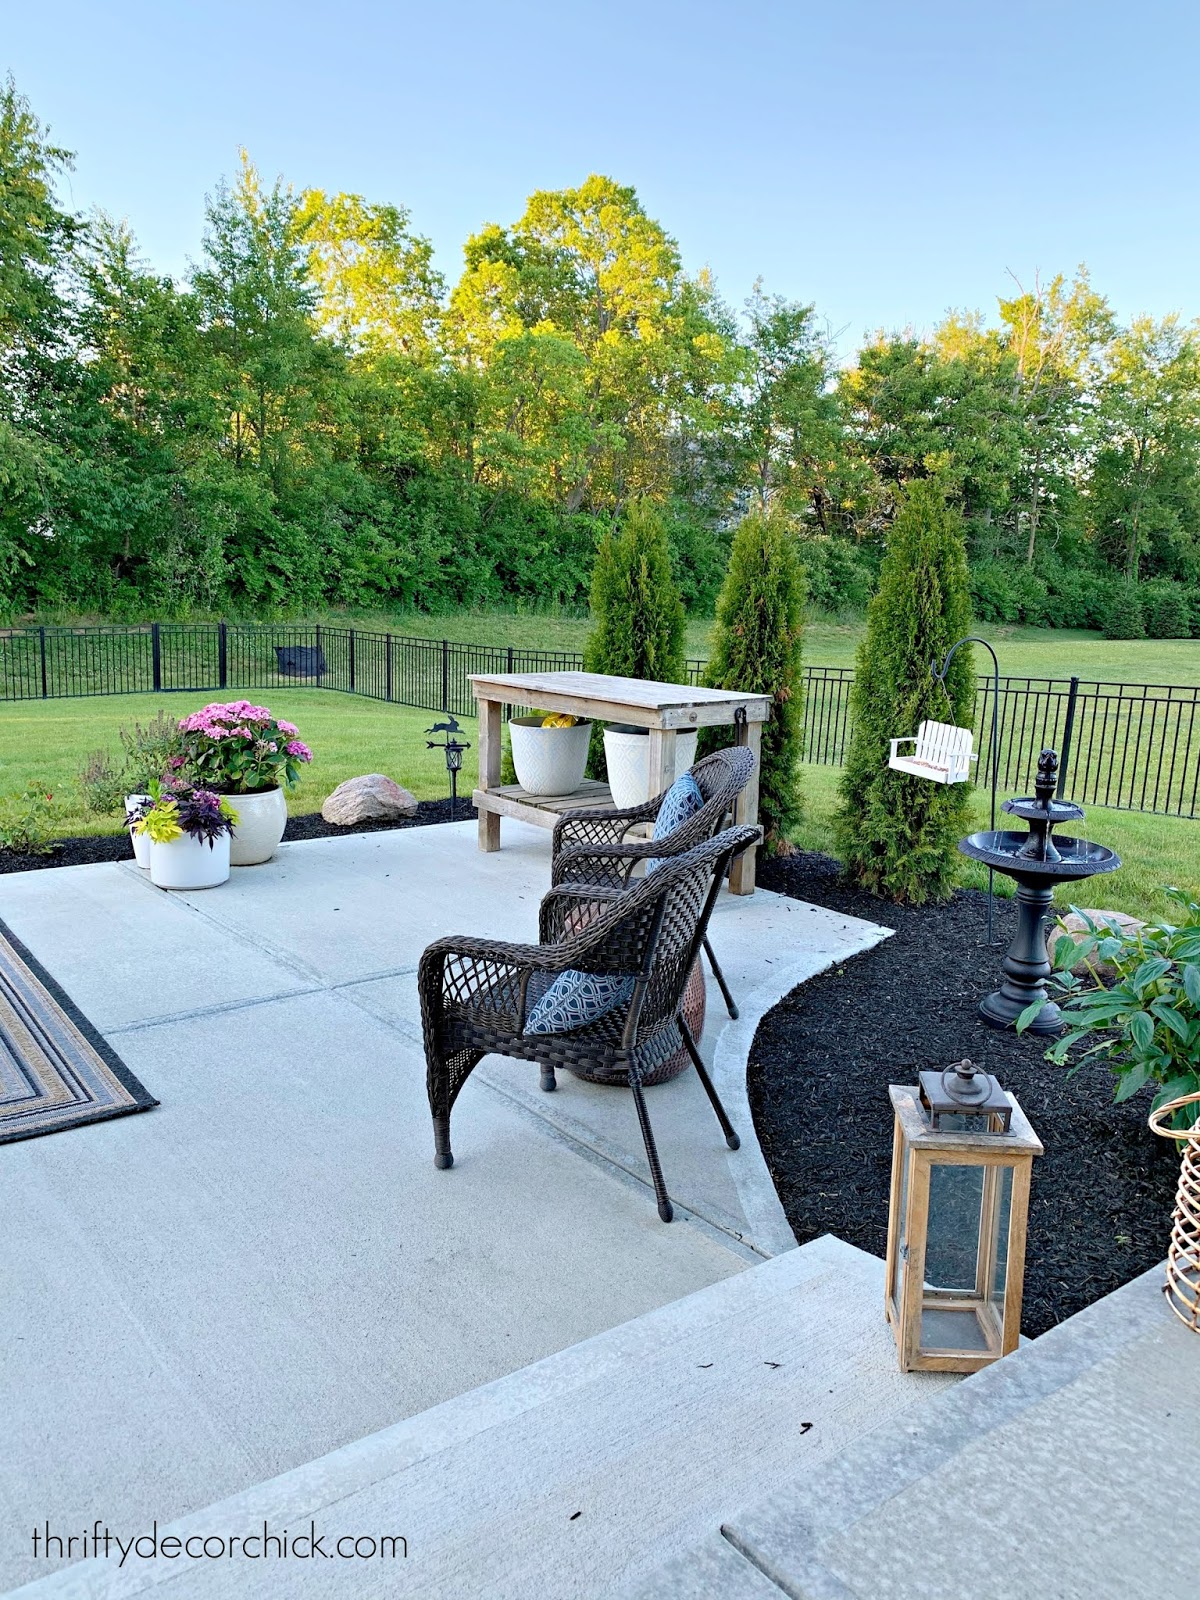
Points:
x=372, y=798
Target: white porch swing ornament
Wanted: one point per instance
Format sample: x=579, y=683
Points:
x=943, y=753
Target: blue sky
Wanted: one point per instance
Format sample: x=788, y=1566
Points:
x=885, y=161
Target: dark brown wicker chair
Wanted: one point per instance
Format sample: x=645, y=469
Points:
x=476, y=993
x=592, y=847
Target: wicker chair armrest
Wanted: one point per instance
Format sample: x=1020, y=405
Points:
x=601, y=826
x=559, y=903
x=608, y=865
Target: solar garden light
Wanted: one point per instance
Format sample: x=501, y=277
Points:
x=962, y=1159
x=453, y=748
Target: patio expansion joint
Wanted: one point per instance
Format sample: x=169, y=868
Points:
x=618, y=1162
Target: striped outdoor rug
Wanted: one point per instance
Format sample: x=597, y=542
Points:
x=55, y=1069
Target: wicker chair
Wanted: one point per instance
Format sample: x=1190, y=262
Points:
x=591, y=847
x=476, y=993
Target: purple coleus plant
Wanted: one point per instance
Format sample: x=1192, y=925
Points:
x=177, y=812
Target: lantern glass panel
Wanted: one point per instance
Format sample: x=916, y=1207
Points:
x=966, y=1256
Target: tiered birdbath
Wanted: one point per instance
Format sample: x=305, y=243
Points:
x=1036, y=862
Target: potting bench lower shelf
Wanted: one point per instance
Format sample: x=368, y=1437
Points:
x=510, y=800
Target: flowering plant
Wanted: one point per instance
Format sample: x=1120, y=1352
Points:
x=198, y=813
x=239, y=748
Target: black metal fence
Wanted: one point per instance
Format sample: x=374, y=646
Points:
x=1132, y=746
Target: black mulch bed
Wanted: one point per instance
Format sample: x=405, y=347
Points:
x=1103, y=1192
x=115, y=847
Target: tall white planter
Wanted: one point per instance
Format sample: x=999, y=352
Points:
x=262, y=817
x=189, y=863
x=627, y=757
x=140, y=841
x=548, y=761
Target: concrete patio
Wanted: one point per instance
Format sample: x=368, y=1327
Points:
x=267, y=1267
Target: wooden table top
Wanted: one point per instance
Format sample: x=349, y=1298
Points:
x=633, y=700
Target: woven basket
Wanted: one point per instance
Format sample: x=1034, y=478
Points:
x=1183, y=1256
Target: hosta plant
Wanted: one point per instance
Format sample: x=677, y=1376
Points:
x=239, y=748
x=1138, y=1005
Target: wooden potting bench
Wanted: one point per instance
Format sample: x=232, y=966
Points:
x=664, y=708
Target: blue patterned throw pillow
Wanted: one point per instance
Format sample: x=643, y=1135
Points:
x=680, y=803
x=576, y=998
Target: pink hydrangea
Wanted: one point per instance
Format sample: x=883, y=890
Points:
x=297, y=748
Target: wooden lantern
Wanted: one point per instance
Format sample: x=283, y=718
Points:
x=962, y=1159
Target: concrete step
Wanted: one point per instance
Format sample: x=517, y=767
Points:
x=1067, y=1470
x=581, y=1473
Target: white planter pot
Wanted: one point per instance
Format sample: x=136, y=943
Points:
x=548, y=761
x=262, y=818
x=627, y=757
x=141, y=841
x=189, y=863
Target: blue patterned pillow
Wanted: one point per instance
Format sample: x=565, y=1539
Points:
x=576, y=998
x=680, y=803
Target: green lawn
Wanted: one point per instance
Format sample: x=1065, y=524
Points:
x=1154, y=851
x=1023, y=652
x=46, y=743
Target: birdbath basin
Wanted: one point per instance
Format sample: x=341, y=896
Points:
x=1036, y=862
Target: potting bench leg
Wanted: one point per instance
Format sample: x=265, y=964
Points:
x=660, y=760
x=489, y=770
x=745, y=811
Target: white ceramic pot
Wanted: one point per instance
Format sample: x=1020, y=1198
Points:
x=262, y=818
x=189, y=863
x=141, y=841
x=627, y=757
x=548, y=760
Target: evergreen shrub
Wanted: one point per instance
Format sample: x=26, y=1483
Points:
x=757, y=645
x=896, y=834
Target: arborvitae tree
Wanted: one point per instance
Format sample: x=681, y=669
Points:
x=756, y=649
x=896, y=834
x=638, y=620
x=637, y=615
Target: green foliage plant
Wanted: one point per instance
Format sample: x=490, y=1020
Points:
x=1138, y=1008
x=29, y=821
x=896, y=833
x=757, y=648
x=1166, y=611
x=1124, y=618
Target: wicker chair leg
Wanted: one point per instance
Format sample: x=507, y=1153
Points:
x=730, y=1003
x=443, y=1156
x=719, y=975
x=727, y=1128
x=548, y=1081
x=665, y=1210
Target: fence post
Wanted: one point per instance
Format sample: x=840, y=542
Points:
x=351, y=660
x=388, y=654
x=445, y=674
x=510, y=658
x=156, y=656
x=222, y=655
x=1064, y=758
x=42, y=651
x=320, y=658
